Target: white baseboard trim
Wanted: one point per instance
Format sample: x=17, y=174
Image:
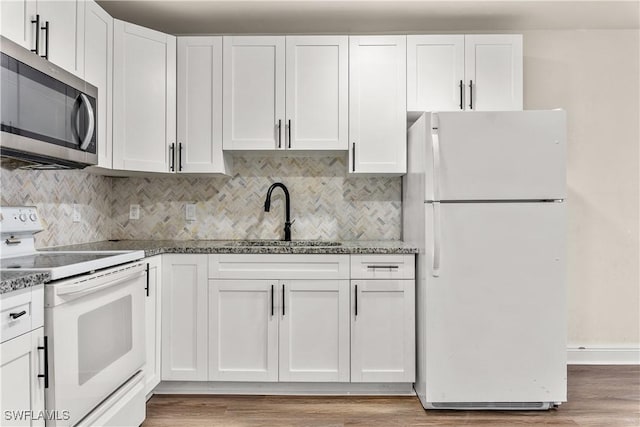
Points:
x=603, y=355
x=300, y=389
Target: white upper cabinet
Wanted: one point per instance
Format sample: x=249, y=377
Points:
x=98, y=70
x=200, y=106
x=253, y=92
x=144, y=99
x=458, y=72
x=435, y=73
x=317, y=76
x=377, y=105
x=15, y=21
x=493, y=72
x=52, y=29
x=62, y=39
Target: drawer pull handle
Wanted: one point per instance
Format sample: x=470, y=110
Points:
x=45, y=348
x=390, y=267
x=14, y=316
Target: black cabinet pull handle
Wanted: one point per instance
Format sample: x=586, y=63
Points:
x=353, y=158
x=471, y=94
x=46, y=40
x=356, y=307
x=45, y=347
x=180, y=156
x=272, y=300
x=390, y=267
x=14, y=316
x=147, y=287
x=172, y=157
x=37, y=22
x=283, y=300
x=289, y=129
x=461, y=90
x=279, y=133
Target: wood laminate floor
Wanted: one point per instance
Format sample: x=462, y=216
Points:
x=604, y=396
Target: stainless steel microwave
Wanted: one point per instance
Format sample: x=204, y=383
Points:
x=48, y=115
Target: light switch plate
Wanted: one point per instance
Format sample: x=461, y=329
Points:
x=134, y=211
x=190, y=212
x=75, y=215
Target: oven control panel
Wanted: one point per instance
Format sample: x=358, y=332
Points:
x=19, y=220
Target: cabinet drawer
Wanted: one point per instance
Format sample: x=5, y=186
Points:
x=382, y=266
x=282, y=267
x=21, y=311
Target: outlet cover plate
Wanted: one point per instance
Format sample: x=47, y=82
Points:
x=190, y=212
x=134, y=211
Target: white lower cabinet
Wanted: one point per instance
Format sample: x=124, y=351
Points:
x=279, y=318
x=153, y=322
x=22, y=357
x=243, y=330
x=288, y=318
x=184, y=317
x=314, y=331
x=383, y=318
x=383, y=331
x=22, y=390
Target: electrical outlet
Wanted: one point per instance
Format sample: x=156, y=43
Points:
x=75, y=215
x=190, y=212
x=134, y=211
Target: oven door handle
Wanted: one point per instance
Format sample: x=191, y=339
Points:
x=86, y=140
x=86, y=288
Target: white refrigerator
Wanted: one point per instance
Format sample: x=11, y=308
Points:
x=483, y=200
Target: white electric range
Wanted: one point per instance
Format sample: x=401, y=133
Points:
x=94, y=325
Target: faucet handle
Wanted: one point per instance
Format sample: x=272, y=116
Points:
x=291, y=223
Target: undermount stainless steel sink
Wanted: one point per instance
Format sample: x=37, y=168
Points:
x=283, y=243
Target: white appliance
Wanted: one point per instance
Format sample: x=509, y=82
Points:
x=483, y=199
x=94, y=326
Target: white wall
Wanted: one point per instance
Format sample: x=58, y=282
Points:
x=594, y=75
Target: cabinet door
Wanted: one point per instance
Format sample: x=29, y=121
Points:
x=435, y=73
x=377, y=104
x=22, y=390
x=16, y=22
x=153, y=321
x=98, y=70
x=243, y=330
x=317, y=94
x=65, y=34
x=383, y=331
x=200, y=105
x=493, y=72
x=144, y=98
x=253, y=92
x=184, y=317
x=314, y=330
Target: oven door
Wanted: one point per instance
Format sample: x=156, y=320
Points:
x=95, y=327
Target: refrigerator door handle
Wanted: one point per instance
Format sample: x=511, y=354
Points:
x=435, y=147
x=437, y=239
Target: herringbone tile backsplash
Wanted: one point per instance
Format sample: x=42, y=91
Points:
x=325, y=203
x=54, y=193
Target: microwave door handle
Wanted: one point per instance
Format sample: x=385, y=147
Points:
x=86, y=140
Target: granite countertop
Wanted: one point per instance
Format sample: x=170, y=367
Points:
x=156, y=247
x=14, y=280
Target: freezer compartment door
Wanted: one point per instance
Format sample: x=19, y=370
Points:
x=495, y=315
x=511, y=155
